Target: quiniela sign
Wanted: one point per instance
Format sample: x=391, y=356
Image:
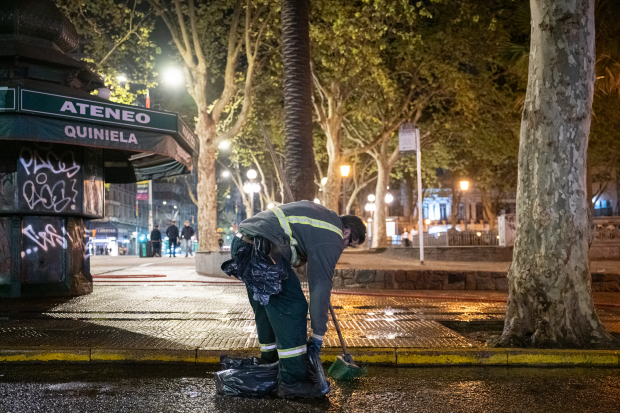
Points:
x=95, y=111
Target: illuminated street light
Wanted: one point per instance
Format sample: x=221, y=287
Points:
x=173, y=76
x=224, y=144
x=175, y=207
x=164, y=202
x=317, y=201
x=371, y=198
x=251, y=174
x=121, y=78
x=225, y=174
x=270, y=205
x=389, y=198
x=464, y=185
x=344, y=170
x=427, y=221
x=324, y=181
x=369, y=207
x=251, y=187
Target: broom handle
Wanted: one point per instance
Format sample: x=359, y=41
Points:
x=337, y=325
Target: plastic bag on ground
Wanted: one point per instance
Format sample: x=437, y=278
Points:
x=247, y=377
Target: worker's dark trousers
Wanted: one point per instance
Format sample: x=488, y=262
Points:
x=282, y=327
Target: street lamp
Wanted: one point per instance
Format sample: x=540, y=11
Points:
x=121, y=78
x=344, y=171
x=317, y=201
x=225, y=174
x=224, y=144
x=323, y=181
x=173, y=76
x=251, y=188
x=464, y=187
x=370, y=207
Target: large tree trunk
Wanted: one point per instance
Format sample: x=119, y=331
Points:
x=550, y=301
x=298, y=98
x=379, y=234
x=206, y=188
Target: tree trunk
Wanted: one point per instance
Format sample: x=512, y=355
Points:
x=550, y=302
x=333, y=185
x=454, y=206
x=379, y=234
x=406, y=196
x=488, y=208
x=298, y=98
x=206, y=188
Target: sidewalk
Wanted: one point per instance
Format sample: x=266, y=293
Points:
x=180, y=316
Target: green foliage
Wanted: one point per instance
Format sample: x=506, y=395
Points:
x=116, y=38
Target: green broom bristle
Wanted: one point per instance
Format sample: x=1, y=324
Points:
x=341, y=370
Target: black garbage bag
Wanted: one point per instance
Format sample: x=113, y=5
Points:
x=253, y=265
x=249, y=377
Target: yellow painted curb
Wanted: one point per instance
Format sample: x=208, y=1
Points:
x=601, y=358
x=213, y=356
x=362, y=355
x=44, y=355
x=451, y=357
x=143, y=356
x=365, y=355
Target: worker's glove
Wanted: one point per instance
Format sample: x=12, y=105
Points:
x=314, y=345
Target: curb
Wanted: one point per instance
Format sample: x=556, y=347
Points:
x=447, y=357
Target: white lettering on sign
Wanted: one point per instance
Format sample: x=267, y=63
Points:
x=101, y=134
x=108, y=113
x=68, y=106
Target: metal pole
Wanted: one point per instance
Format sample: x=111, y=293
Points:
x=420, y=200
x=344, y=195
x=150, y=206
x=251, y=214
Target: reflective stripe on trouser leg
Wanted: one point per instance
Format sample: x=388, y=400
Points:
x=292, y=352
x=264, y=348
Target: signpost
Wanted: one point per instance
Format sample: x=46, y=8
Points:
x=409, y=141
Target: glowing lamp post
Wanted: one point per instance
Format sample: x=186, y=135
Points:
x=251, y=188
x=464, y=187
x=370, y=207
x=344, y=171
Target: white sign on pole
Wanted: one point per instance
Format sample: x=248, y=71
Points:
x=407, y=139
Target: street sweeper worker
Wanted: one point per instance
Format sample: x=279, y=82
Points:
x=299, y=232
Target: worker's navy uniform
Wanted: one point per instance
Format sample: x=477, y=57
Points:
x=299, y=231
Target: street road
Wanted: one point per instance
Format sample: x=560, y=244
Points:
x=151, y=388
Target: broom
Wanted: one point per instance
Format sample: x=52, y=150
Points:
x=344, y=368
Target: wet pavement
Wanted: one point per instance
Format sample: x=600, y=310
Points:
x=165, y=305
x=124, y=388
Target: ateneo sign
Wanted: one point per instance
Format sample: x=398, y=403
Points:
x=95, y=111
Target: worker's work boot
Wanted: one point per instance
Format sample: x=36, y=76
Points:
x=305, y=389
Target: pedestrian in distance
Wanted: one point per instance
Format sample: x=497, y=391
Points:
x=173, y=236
x=296, y=233
x=405, y=238
x=156, y=241
x=187, y=233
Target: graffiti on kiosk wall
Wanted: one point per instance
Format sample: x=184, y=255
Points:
x=50, y=182
x=48, y=239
